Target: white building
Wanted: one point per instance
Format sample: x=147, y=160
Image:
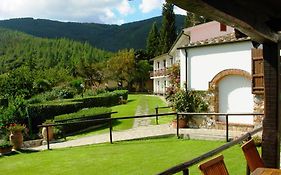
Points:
x=212, y=59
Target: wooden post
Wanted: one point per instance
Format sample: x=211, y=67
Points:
x=110, y=130
x=226, y=128
x=48, y=142
x=271, y=122
x=156, y=112
x=178, y=135
x=185, y=171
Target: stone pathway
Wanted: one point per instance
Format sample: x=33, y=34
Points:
x=138, y=122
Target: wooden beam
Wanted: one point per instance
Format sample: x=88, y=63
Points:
x=244, y=19
x=271, y=122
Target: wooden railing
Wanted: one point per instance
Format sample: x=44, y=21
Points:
x=110, y=120
x=184, y=167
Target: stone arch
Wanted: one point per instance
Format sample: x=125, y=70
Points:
x=213, y=84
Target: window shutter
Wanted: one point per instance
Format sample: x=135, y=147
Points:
x=257, y=71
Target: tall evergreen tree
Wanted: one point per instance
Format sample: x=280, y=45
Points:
x=168, y=31
x=193, y=19
x=152, y=42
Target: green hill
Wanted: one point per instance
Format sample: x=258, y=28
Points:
x=104, y=36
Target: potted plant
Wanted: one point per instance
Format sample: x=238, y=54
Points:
x=16, y=137
x=5, y=147
x=188, y=101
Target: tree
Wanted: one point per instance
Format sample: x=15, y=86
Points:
x=121, y=66
x=168, y=30
x=142, y=73
x=152, y=42
x=193, y=19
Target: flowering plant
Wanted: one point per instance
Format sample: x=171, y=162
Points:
x=16, y=127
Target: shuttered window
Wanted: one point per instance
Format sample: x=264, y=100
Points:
x=257, y=72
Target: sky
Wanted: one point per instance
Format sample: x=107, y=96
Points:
x=93, y=11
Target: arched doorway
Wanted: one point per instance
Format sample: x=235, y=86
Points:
x=233, y=94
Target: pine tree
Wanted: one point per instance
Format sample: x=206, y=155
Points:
x=193, y=19
x=152, y=42
x=168, y=31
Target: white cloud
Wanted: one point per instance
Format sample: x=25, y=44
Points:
x=104, y=11
x=147, y=6
x=179, y=11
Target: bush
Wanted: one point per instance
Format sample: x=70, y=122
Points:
x=48, y=110
x=84, y=114
x=190, y=101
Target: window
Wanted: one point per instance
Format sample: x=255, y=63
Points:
x=158, y=65
x=171, y=61
x=222, y=27
x=165, y=83
x=164, y=63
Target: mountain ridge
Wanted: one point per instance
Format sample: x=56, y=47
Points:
x=109, y=37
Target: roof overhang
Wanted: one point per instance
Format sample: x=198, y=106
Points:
x=260, y=20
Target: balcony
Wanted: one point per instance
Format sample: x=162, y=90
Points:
x=159, y=72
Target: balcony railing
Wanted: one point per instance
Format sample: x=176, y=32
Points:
x=158, y=73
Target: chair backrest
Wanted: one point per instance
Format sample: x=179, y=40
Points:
x=214, y=166
x=252, y=156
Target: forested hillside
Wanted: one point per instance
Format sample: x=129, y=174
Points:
x=17, y=49
x=108, y=37
x=26, y=60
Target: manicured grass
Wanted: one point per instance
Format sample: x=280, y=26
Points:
x=134, y=100
x=142, y=157
x=124, y=110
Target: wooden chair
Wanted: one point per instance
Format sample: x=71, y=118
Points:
x=214, y=166
x=252, y=156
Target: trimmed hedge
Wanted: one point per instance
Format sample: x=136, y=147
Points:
x=84, y=114
x=48, y=110
x=104, y=99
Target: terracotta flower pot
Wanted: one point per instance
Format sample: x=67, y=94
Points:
x=50, y=133
x=16, y=139
x=182, y=123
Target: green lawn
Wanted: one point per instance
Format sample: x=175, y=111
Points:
x=129, y=109
x=142, y=157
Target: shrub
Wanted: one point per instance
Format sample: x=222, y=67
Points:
x=190, y=101
x=84, y=114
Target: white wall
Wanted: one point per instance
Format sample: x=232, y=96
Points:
x=206, y=62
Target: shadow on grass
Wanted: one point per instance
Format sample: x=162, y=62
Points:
x=21, y=151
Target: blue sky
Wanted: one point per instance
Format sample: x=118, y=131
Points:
x=97, y=11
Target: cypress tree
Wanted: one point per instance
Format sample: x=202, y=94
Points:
x=193, y=19
x=168, y=31
x=152, y=42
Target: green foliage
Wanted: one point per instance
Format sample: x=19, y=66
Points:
x=83, y=114
x=193, y=19
x=174, y=78
x=14, y=113
x=190, y=101
x=108, y=37
x=41, y=85
x=5, y=144
x=152, y=41
x=121, y=66
x=168, y=30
